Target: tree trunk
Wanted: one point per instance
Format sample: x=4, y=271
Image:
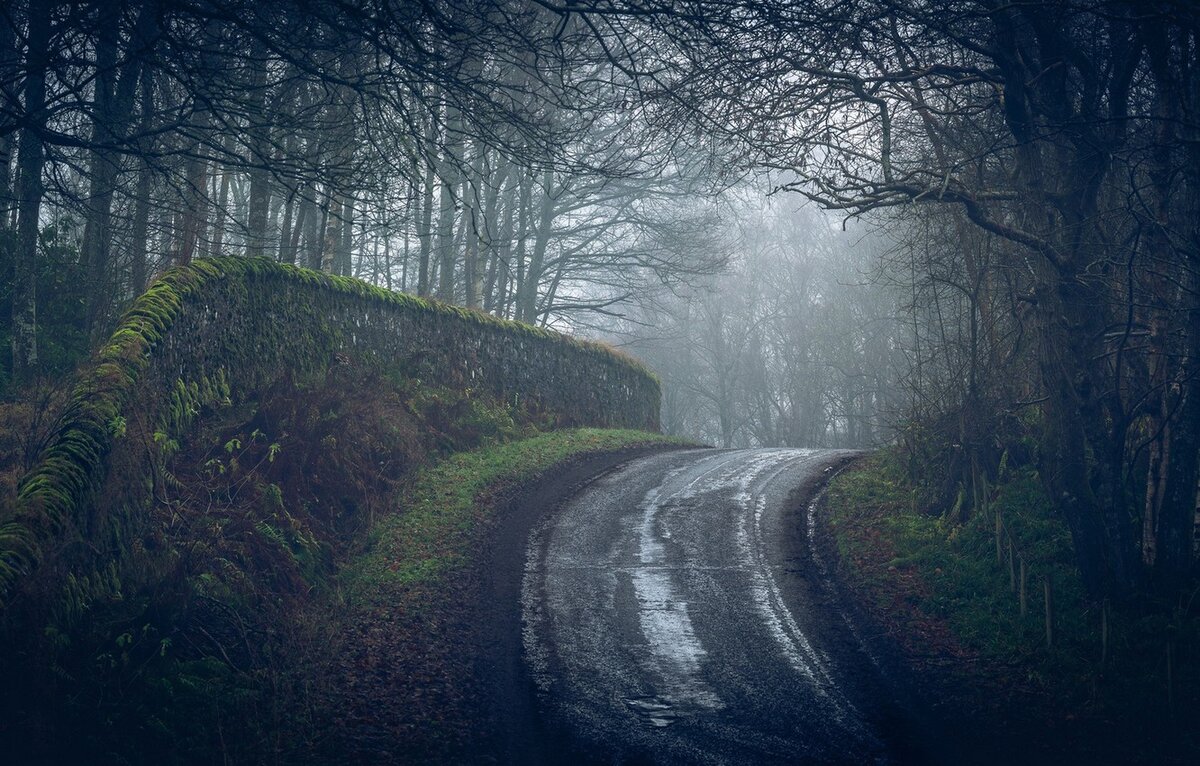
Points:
x=504, y=244
x=260, y=186
x=1061, y=179
x=222, y=211
x=451, y=175
x=346, y=246
x=8, y=73
x=195, y=205
x=332, y=237
x=9, y=62
x=425, y=227
x=139, y=233
x=29, y=197
x=1174, y=354
x=318, y=224
x=475, y=223
x=491, y=233
x=112, y=113
x=527, y=300
x=287, y=251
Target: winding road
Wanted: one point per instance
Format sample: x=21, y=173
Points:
x=671, y=615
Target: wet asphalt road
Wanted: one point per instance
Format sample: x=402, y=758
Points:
x=664, y=621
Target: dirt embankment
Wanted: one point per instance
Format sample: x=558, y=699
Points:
x=961, y=704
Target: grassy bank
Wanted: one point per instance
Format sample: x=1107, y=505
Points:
x=933, y=582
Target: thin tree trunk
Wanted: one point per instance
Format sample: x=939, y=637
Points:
x=345, y=246
x=425, y=229
x=527, y=300
x=504, y=243
x=332, y=235
x=222, y=212
x=314, y=234
x=306, y=210
x=139, y=233
x=524, y=214
x=287, y=252
x=195, y=208
x=447, y=208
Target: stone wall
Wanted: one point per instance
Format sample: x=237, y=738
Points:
x=226, y=328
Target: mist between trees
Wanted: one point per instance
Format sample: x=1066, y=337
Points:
x=796, y=343
x=1018, y=281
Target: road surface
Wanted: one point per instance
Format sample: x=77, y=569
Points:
x=668, y=619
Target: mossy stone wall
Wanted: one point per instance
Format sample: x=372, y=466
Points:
x=226, y=328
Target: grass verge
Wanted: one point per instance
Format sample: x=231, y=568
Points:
x=935, y=587
x=450, y=505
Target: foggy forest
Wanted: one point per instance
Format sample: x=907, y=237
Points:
x=961, y=234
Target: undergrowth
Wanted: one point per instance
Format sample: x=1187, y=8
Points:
x=936, y=582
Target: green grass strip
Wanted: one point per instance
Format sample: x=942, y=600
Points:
x=443, y=512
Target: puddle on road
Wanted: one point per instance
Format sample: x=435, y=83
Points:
x=657, y=711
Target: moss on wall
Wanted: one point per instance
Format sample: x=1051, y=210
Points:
x=221, y=329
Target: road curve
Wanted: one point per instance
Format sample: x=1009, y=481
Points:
x=664, y=622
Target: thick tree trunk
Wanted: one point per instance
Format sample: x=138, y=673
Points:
x=1177, y=523
x=8, y=73
x=112, y=114
x=8, y=204
x=195, y=206
x=1060, y=162
x=29, y=197
x=1174, y=354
